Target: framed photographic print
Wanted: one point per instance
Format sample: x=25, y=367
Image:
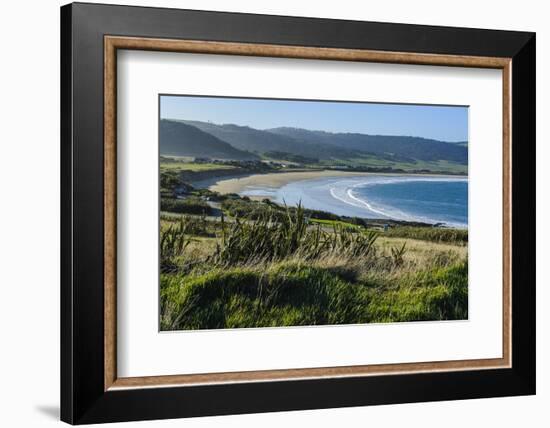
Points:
x=266, y=213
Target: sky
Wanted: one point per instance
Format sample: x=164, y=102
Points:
x=445, y=123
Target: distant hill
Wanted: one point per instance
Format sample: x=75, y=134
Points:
x=229, y=141
x=461, y=143
x=402, y=148
x=180, y=139
x=258, y=141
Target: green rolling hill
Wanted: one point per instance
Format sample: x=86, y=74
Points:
x=180, y=139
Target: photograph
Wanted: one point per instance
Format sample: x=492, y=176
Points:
x=278, y=212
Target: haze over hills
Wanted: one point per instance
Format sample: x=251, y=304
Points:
x=403, y=148
x=258, y=141
x=180, y=139
x=229, y=141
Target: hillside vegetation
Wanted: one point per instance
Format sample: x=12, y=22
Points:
x=227, y=261
x=179, y=139
x=278, y=268
x=311, y=148
x=401, y=148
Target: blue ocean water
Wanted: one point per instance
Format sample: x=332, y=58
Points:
x=413, y=198
x=429, y=200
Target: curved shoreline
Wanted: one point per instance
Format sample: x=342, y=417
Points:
x=276, y=180
x=266, y=186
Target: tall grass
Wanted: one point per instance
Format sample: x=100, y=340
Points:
x=190, y=225
x=289, y=294
x=433, y=234
x=289, y=271
x=267, y=239
x=173, y=242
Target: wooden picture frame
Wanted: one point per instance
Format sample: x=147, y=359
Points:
x=91, y=390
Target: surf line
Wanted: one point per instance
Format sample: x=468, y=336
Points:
x=400, y=215
x=396, y=214
x=362, y=204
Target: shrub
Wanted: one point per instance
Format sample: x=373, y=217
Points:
x=434, y=234
x=190, y=205
x=169, y=179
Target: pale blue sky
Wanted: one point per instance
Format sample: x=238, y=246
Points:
x=446, y=123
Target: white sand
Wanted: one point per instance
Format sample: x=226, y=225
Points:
x=275, y=179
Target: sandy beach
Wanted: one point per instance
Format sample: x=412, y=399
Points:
x=279, y=179
x=275, y=180
x=344, y=193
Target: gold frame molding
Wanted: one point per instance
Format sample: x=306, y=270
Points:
x=113, y=43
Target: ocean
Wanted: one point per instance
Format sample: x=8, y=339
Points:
x=428, y=199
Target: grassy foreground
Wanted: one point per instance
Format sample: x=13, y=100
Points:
x=295, y=293
x=282, y=269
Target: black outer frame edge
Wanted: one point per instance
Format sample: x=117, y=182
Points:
x=66, y=306
x=524, y=213
x=83, y=398
x=300, y=31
